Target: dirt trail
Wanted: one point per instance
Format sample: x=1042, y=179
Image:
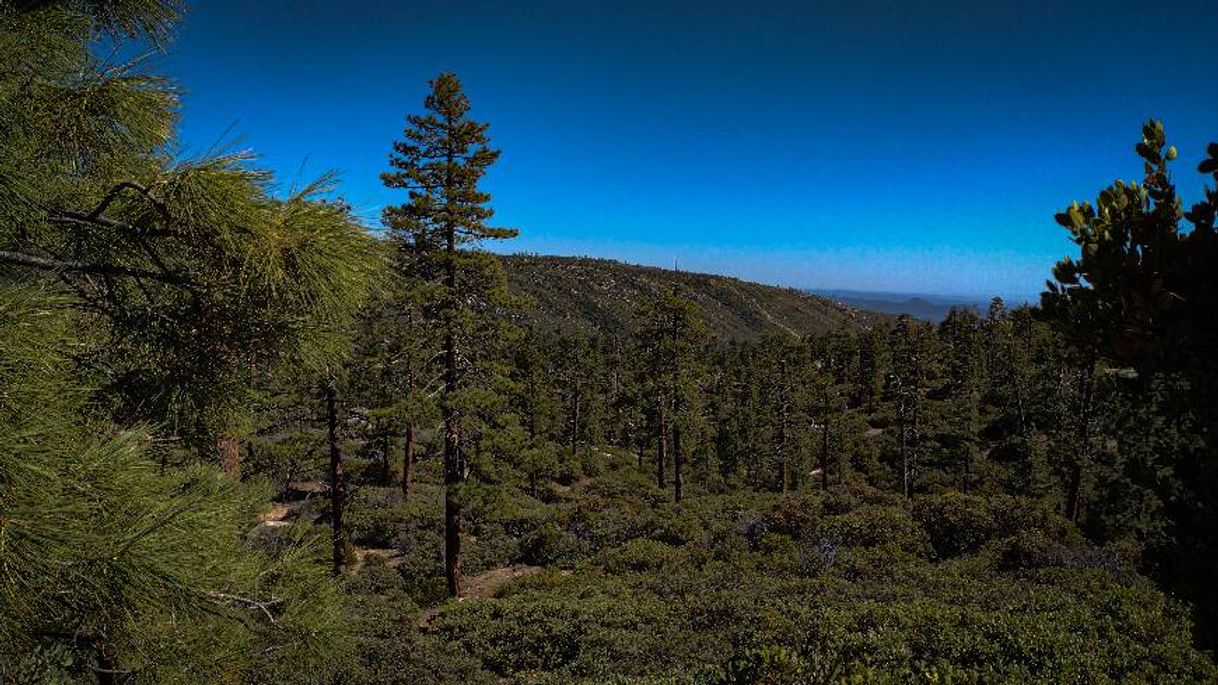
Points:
x=481, y=586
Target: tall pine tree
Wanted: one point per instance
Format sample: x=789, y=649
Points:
x=443, y=157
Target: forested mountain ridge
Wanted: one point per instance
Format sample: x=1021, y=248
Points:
x=587, y=295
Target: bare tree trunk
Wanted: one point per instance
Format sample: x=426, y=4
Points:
x=824, y=452
x=678, y=464
x=386, y=471
x=904, y=435
x=1078, y=471
x=408, y=462
x=678, y=458
x=968, y=459
x=575, y=400
x=453, y=472
x=337, y=493
x=784, y=482
x=841, y=467
x=452, y=479
x=971, y=450
x=662, y=450
x=229, y=449
x=107, y=670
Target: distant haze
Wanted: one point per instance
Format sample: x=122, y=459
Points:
x=918, y=305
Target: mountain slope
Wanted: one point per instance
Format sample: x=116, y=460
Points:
x=579, y=294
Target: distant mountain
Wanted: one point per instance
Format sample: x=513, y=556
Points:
x=932, y=308
x=600, y=295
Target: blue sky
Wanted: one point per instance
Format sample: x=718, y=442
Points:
x=864, y=144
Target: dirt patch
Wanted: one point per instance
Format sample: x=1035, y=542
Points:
x=277, y=512
x=484, y=585
x=388, y=556
x=481, y=586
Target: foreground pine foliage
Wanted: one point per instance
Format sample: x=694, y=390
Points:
x=110, y=562
x=141, y=295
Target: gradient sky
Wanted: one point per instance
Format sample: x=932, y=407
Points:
x=876, y=145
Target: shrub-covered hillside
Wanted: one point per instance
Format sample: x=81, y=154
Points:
x=604, y=580
x=584, y=295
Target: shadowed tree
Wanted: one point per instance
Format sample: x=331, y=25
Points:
x=1141, y=295
x=669, y=335
x=907, y=385
x=965, y=367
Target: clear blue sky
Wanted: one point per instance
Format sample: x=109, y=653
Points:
x=876, y=145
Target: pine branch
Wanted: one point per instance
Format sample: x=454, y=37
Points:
x=264, y=606
x=128, y=185
x=74, y=266
x=79, y=219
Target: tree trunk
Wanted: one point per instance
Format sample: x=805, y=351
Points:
x=452, y=507
x=841, y=467
x=903, y=431
x=968, y=459
x=229, y=449
x=107, y=670
x=784, y=482
x=452, y=439
x=575, y=400
x=662, y=450
x=1078, y=471
x=337, y=537
x=824, y=452
x=678, y=464
x=408, y=462
x=970, y=440
x=386, y=471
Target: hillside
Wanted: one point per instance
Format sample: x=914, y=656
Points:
x=599, y=295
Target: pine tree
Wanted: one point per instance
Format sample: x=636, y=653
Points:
x=669, y=333
x=142, y=298
x=907, y=386
x=196, y=277
x=965, y=365
x=392, y=362
x=1138, y=301
x=440, y=162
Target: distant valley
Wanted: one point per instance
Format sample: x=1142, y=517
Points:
x=933, y=308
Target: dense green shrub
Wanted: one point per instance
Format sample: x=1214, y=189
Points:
x=550, y=544
x=582, y=634
x=795, y=514
x=388, y=646
x=955, y=523
x=640, y=555
x=376, y=517
x=873, y=526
